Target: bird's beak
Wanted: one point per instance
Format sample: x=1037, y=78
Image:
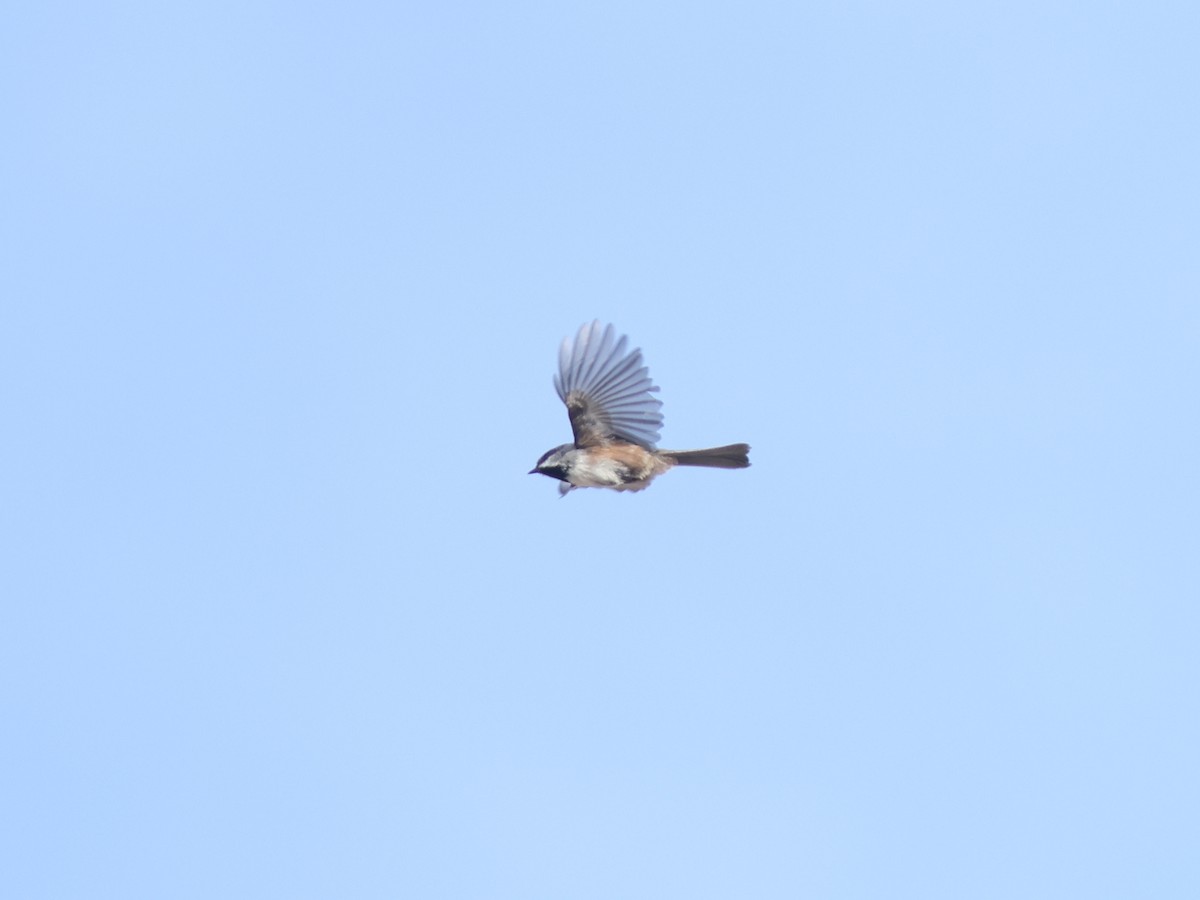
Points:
x=532, y=472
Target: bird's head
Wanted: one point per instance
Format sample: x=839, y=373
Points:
x=556, y=463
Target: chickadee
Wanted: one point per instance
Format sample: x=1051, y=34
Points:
x=615, y=420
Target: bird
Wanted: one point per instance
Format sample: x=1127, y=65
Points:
x=615, y=419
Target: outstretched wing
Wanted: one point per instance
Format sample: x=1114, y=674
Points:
x=607, y=391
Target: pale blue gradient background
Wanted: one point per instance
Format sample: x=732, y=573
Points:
x=283, y=615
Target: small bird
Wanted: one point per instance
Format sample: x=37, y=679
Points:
x=615, y=420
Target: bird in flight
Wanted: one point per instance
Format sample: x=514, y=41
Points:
x=616, y=420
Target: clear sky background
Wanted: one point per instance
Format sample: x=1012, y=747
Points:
x=282, y=290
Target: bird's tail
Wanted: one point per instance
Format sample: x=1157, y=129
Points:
x=731, y=456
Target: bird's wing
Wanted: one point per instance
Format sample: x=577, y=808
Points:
x=607, y=391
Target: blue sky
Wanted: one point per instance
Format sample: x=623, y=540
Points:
x=284, y=614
